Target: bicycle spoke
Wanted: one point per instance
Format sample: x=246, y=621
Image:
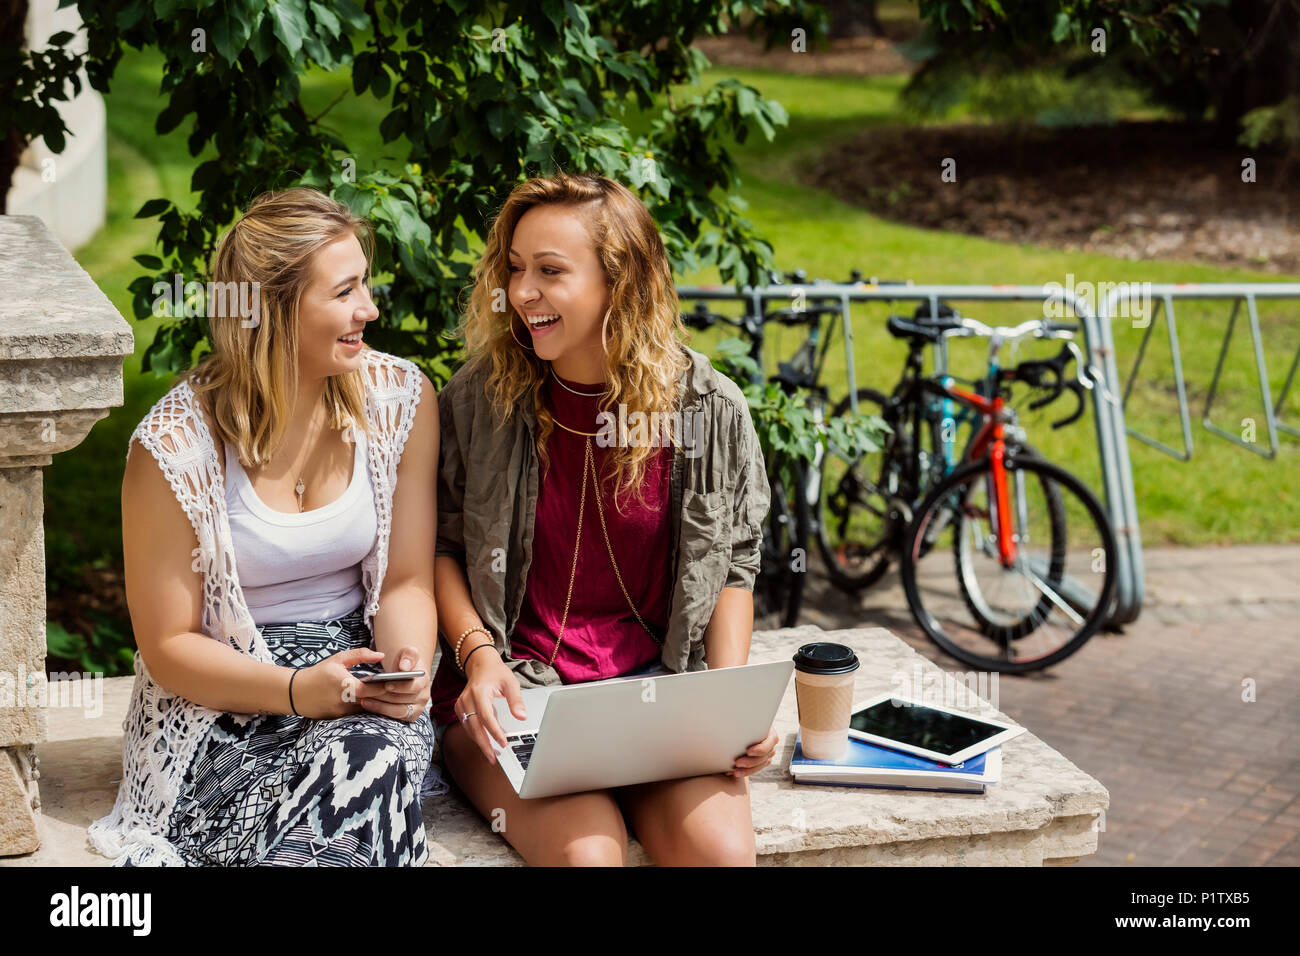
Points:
x=1013, y=618
x=1052, y=596
x=853, y=515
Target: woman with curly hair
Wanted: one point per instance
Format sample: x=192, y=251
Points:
x=576, y=544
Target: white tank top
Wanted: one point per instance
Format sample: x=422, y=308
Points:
x=301, y=567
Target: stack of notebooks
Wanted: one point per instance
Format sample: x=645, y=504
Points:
x=870, y=765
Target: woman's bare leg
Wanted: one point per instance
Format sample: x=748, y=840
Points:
x=581, y=829
x=693, y=821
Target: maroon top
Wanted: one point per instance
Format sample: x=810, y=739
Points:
x=601, y=635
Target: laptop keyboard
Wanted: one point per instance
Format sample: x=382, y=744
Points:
x=522, y=747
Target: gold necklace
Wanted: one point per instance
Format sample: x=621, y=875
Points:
x=589, y=464
x=566, y=427
x=576, y=432
x=559, y=381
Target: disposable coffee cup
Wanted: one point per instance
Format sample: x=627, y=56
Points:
x=823, y=687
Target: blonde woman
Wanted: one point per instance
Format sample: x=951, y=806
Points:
x=277, y=511
x=563, y=557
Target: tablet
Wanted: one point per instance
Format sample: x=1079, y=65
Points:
x=937, y=733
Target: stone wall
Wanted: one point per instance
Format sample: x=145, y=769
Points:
x=62, y=344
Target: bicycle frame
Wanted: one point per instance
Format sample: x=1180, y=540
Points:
x=804, y=370
x=807, y=361
x=911, y=394
x=991, y=439
x=988, y=419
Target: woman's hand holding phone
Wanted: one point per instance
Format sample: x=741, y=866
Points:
x=328, y=688
x=399, y=699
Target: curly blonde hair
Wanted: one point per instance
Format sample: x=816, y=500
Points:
x=644, y=358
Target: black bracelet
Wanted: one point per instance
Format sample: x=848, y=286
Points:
x=291, y=707
x=465, y=663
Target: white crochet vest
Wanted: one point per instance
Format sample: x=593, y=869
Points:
x=162, y=730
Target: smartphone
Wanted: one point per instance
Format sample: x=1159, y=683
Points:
x=385, y=676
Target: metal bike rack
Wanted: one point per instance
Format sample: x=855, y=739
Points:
x=1282, y=396
x=1247, y=293
x=1167, y=293
x=1108, y=415
x=1112, y=446
x=1179, y=383
x=1269, y=410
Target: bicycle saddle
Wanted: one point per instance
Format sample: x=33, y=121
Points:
x=928, y=329
x=923, y=324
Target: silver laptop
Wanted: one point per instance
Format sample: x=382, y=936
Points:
x=628, y=730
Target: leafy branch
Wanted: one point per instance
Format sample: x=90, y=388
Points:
x=480, y=95
x=788, y=430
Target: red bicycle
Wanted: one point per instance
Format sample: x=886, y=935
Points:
x=1007, y=563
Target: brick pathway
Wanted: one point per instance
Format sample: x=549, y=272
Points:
x=1196, y=776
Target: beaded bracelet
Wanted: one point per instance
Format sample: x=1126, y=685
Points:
x=466, y=633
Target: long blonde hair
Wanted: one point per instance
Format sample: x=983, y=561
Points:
x=644, y=359
x=249, y=381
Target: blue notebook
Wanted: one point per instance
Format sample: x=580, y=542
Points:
x=870, y=765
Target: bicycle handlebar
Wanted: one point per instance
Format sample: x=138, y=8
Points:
x=1034, y=372
x=1038, y=328
x=950, y=323
x=856, y=277
x=801, y=316
x=929, y=329
x=702, y=318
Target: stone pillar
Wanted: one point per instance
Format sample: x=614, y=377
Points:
x=62, y=344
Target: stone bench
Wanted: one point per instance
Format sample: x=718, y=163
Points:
x=1043, y=811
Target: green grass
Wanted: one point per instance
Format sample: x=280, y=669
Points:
x=1224, y=494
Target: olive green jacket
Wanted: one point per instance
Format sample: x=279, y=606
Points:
x=487, y=502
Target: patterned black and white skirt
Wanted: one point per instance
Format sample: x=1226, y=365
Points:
x=280, y=790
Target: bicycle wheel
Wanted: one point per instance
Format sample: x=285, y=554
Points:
x=866, y=503
x=1027, y=610
x=856, y=522
x=784, y=566
x=992, y=622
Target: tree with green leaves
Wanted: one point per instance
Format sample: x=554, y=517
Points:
x=476, y=95
x=1234, y=62
x=32, y=84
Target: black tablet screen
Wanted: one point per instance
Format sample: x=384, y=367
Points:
x=919, y=726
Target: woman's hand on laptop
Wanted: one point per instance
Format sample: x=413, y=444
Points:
x=488, y=678
x=757, y=757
